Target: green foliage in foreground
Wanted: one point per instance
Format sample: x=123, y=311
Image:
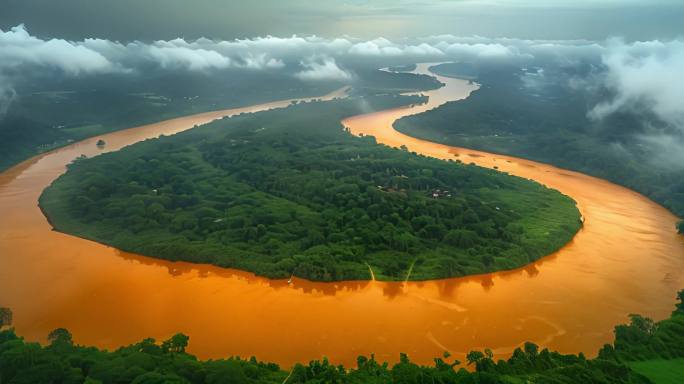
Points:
x=661, y=371
x=680, y=227
x=644, y=339
x=289, y=192
x=150, y=362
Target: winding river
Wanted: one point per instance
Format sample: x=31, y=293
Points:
x=626, y=259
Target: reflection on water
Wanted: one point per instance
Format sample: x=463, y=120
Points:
x=626, y=259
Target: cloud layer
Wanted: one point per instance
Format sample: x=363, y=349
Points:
x=18, y=48
x=322, y=69
x=90, y=56
x=646, y=76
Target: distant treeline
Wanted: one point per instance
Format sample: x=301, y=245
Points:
x=48, y=113
x=542, y=118
x=51, y=112
x=638, y=344
x=288, y=192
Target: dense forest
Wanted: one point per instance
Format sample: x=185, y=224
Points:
x=638, y=346
x=289, y=192
x=50, y=112
x=537, y=114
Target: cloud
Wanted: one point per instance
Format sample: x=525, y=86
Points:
x=482, y=51
x=260, y=61
x=7, y=96
x=641, y=76
x=192, y=59
x=666, y=150
x=18, y=48
x=323, y=69
x=645, y=75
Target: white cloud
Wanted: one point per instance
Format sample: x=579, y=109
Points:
x=7, y=96
x=269, y=52
x=645, y=75
x=383, y=47
x=322, y=69
x=369, y=48
x=18, y=48
x=260, y=61
x=666, y=150
x=183, y=57
x=481, y=51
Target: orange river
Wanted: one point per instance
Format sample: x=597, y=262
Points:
x=626, y=259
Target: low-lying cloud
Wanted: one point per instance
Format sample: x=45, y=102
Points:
x=645, y=75
x=7, y=96
x=19, y=48
x=322, y=69
x=640, y=76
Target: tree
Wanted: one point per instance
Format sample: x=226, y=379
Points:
x=60, y=336
x=680, y=227
x=461, y=238
x=5, y=317
x=680, y=305
x=643, y=324
x=226, y=372
x=177, y=343
x=474, y=357
x=531, y=349
x=483, y=360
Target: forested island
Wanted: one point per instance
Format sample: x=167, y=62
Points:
x=289, y=192
x=537, y=114
x=643, y=352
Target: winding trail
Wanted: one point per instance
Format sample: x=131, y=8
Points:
x=626, y=259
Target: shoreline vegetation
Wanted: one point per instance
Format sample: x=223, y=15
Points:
x=512, y=115
x=288, y=192
x=643, y=351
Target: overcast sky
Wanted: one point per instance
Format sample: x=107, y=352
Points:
x=227, y=19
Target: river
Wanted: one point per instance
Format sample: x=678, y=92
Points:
x=626, y=259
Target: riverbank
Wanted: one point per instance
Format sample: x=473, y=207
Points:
x=653, y=350
x=289, y=193
x=626, y=259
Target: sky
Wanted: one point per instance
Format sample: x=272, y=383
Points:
x=146, y=20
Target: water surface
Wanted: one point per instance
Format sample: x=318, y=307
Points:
x=626, y=259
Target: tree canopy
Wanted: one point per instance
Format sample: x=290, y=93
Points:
x=546, y=119
x=5, y=317
x=149, y=361
x=288, y=192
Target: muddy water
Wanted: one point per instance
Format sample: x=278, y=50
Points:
x=626, y=259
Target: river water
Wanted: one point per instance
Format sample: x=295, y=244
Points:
x=626, y=259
